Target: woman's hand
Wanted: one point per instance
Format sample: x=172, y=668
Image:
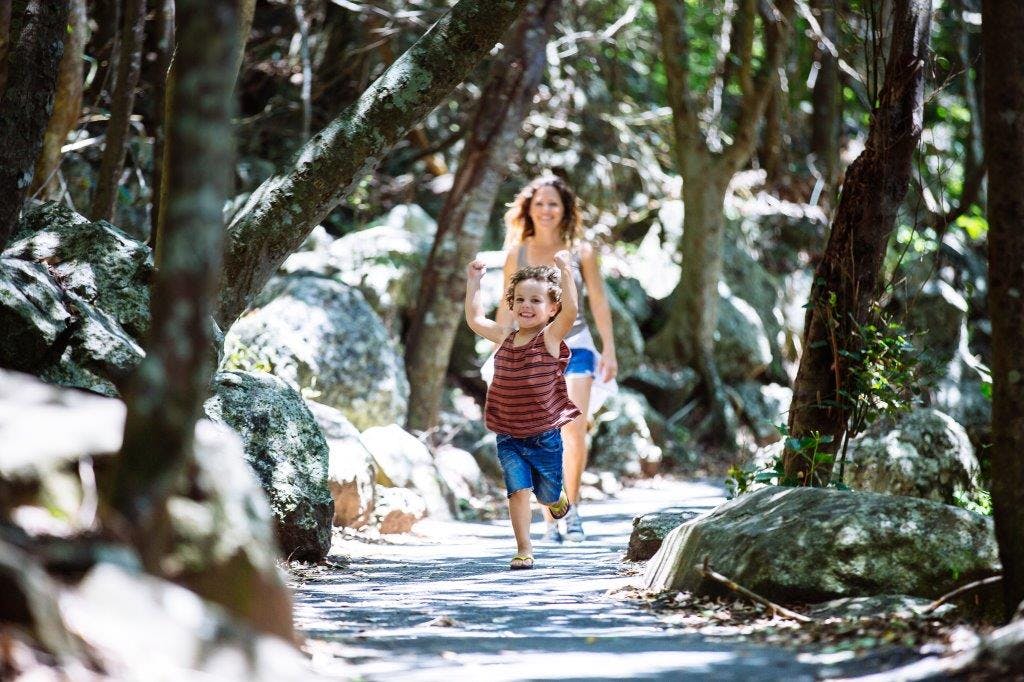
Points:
x=607, y=365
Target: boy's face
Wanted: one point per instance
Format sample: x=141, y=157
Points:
x=532, y=306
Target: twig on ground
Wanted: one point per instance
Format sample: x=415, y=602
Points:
x=705, y=569
x=960, y=590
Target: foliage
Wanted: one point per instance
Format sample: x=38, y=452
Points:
x=244, y=359
x=977, y=500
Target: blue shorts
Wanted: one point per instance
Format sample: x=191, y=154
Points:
x=533, y=463
x=582, y=362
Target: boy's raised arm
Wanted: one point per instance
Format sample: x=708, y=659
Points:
x=475, y=317
x=567, y=315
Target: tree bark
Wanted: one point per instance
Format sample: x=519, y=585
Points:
x=850, y=268
x=67, y=103
x=164, y=52
x=165, y=395
x=286, y=208
x=1003, y=91
x=6, y=40
x=129, y=66
x=504, y=103
x=825, y=111
x=688, y=335
x=26, y=102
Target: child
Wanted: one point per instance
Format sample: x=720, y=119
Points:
x=527, y=402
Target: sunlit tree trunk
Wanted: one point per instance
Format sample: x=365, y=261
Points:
x=164, y=27
x=1003, y=89
x=846, y=280
x=67, y=104
x=287, y=206
x=164, y=396
x=26, y=101
x=504, y=103
x=114, y=143
x=688, y=335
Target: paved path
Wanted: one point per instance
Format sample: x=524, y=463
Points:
x=431, y=609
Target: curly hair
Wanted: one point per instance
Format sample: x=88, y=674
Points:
x=545, y=274
x=519, y=225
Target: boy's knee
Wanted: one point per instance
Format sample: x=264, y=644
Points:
x=525, y=492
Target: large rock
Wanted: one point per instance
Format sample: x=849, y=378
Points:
x=815, y=544
x=321, y=337
x=221, y=541
x=666, y=391
x=629, y=343
x=32, y=314
x=763, y=407
x=351, y=472
x=749, y=280
x=742, y=349
x=96, y=262
x=398, y=509
x=286, y=449
x=925, y=454
x=405, y=462
x=384, y=261
x=622, y=441
x=460, y=472
x=649, y=531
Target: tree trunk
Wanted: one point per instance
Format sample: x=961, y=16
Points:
x=6, y=40
x=102, y=45
x=243, y=25
x=850, y=269
x=1003, y=91
x=161, y=82
x=129, y=65
x=688, y=335
x=504, y=103
x=773, y=151
x=285, y=208
x=826, y=110
x=67, y=103
x=26, y=102
x=165, y=395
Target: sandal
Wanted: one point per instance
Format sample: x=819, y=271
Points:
x=561, y=507
x=520, y=563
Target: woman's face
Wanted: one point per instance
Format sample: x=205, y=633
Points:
x=546, y=209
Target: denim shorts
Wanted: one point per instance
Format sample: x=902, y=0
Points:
x=533, y=463
x=582, y=362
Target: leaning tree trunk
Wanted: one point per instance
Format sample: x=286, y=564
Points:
x=825, y=110
x=25, y=103
x=129, y=65
x=165, y=394
x=5, y=40
x=847, y=278
x=67, y=104
x=164, y=47
x=1003, y=91
x=287, y=206
x=504, y=104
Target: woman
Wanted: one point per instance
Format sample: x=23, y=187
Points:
x=544, y=219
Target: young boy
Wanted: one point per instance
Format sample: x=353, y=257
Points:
x=527, y=402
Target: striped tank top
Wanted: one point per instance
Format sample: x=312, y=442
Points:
x=527, y=395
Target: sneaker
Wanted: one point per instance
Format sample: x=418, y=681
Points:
x=573, y=526
x=551, y=535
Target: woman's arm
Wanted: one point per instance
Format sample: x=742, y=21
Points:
x=475, y=317
x=608, y=365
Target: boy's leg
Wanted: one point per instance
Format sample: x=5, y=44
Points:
x=520, y=513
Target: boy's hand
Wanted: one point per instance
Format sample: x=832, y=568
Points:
x=475, y=270
x=562, y=259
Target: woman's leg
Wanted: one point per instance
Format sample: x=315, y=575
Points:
x=574, y=436
x=520, y=513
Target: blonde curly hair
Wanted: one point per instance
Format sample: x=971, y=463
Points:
x=519, y=225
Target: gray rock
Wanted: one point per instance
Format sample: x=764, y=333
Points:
x=351, y=472
x=629, y=343
x=398, y=509
x=634, y=298
x=322, y=338
x=750, y=281
x=763, y=407
x=286, y=449
x=460, y=472
x=880, y=606
x=815, y=544
x=622, y=441
x=665, y=391
x=742, y=349
x=925, y=454
x=650, y=530
x=405, y=462
x=30, y=603
x=32, y=314
x=43, y=216
x=98, y=263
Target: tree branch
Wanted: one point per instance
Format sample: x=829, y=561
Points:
x=285, y=208
x=706, y=571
